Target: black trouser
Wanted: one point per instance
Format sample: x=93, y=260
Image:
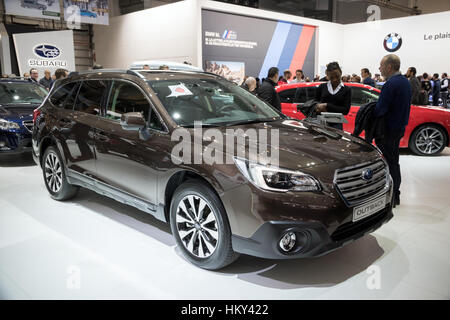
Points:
x=389, y=146
x=444, y=99
x=436, y=98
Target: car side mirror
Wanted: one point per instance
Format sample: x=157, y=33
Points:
x=132, y=121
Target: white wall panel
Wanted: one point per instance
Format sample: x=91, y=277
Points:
x=166, y=32
x=363, y=43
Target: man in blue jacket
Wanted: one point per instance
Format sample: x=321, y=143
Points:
x=394, y=105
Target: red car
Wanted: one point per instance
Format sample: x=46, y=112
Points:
x=427, y=132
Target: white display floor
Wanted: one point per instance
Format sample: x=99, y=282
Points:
x=95, y=248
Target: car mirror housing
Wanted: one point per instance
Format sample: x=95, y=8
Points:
x=132, y=121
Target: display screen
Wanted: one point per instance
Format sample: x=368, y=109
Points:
x=256, y=44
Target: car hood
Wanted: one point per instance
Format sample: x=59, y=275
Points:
x=18, y=111
x=305, y=145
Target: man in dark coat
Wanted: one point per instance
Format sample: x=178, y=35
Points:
x=415, y=85
x=267, y=90
x=46, y=81
x=436, y=89
x=394, y=104
x=365, y=75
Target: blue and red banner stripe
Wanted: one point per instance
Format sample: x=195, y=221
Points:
x=288, y=48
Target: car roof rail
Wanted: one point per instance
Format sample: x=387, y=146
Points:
x=74, y=73
x=136, y=73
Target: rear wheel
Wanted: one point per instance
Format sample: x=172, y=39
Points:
x=55, y=176
x=428, y=140
x=200, y=226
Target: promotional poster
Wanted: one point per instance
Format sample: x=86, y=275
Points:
x=232, y=71
x=45, y=51
x=228, y=39
x=90, y=11
x=48, y=9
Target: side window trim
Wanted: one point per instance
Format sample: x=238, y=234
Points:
x=77, y=88
x=108, y=94
x=152, y=107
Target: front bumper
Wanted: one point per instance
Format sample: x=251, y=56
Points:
x=316, y=238
x=14, y=142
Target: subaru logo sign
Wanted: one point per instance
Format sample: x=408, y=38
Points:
x=47, y=51
x=367, y=174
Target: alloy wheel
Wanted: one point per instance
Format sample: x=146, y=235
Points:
x=197, y=226
x=429, y=140
x=53, y=172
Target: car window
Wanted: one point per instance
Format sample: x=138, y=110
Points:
x=89, y=99
x=126, y=97
x=70, y=101
x=287, y=96
x=304, y=94
x=60, y=95
x=211, y=101
x=361, y=96
x=155, y=123
x=21, y=93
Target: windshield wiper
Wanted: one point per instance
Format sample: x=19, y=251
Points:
x=202, y=125
x=248, y=121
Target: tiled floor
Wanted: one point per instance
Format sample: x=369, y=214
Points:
x=95, y=248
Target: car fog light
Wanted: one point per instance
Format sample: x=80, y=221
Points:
x=288, y=241
x=2, y=144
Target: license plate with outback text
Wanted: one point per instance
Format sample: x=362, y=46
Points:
x=369, y=208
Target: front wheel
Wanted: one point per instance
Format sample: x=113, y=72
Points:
x=200, y=226
x=428, y=140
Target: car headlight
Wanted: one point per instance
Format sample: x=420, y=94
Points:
x=276, y=179
x=8, y=125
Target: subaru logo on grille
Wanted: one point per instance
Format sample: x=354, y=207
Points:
x=47, y=51
x=367, y=174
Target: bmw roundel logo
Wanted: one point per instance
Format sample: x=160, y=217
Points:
x=367, y=174
x=392, y=42
x=47, y=51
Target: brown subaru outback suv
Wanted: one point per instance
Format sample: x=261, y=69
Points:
x=118, y=132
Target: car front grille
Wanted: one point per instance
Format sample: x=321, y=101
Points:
x=9, y=142
x=349, y=229
x=354, y=189
x=28, y=125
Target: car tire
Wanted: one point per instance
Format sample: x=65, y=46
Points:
x=55, y=176
x=428, y=140
x=200, y=226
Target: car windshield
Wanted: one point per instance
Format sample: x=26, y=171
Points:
x=370, y=96
x=21, y=93
x=214, y=102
